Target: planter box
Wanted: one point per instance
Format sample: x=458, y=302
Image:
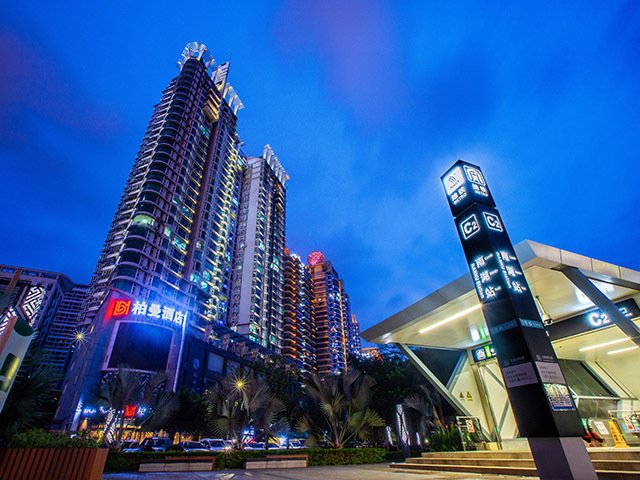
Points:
x=52, y=463
x=178, y=464
x=277, y=461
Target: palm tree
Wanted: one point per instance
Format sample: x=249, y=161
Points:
x=424, y=404
x=241, y=401
x=344, y=402
x=126, y=387
x=265, y=410
x=229, y=417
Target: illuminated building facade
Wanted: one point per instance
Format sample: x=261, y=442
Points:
x=51, y=303
x=257, y=305
x=334, y=325
x=353, y=340
x=299, y=327
x=371, y=353
x=165, y=268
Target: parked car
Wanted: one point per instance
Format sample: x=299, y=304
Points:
x=130, y=446
x=216, y=444
x=254, y=446
x=296, y=443
x=188, y=447
x=155, y=444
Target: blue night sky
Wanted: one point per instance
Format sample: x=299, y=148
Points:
x=365, y=102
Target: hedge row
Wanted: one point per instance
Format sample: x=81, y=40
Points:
x=129, y=462
x=37, y=438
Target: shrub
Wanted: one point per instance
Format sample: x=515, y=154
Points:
x=42, y=439
x=447, y=440
x=129, y=462
x=394, y=456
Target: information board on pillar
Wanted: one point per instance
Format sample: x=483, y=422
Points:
x=537, y=389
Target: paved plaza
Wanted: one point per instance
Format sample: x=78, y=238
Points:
x=348, y=472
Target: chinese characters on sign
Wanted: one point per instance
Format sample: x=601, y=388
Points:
x=162, y=312
x=119, y=308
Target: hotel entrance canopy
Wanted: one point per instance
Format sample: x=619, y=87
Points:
x=451, y=316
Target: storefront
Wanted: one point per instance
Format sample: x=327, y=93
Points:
x=446, y=338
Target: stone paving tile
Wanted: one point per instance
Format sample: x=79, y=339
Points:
x=350, y=472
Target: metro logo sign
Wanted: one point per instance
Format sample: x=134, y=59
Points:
x=118, y=308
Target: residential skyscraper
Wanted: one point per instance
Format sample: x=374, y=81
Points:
x=299, y=327
x=334, y=325
x=165, y=269
x=51, y=303
x=257, y=304
x=354, y=344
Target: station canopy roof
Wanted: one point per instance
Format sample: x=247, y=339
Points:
x=451, y=316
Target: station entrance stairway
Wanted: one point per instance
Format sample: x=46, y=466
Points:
x=610, y=463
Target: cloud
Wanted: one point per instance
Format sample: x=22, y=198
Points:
x=358, y=42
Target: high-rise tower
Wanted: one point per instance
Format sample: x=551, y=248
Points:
x=167, y=262
x=257, y=304
x=334, y=324
x=51, y=303
x=299, y=328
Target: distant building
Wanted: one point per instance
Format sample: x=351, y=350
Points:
x=51, y=303
x=336, y=330
x=371, y=353
x=354, y=344
x=257, y=298
x=299, y=327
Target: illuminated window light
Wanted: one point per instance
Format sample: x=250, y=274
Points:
x=622, y=350
x=605, y=344
x=461, y=314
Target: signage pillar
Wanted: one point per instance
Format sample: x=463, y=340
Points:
x=538, y=392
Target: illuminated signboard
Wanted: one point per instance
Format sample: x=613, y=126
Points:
x=537, y=390
x=130, y=411
x=592, y=320
x=485, y=352
x=119, y=308
x=465, y=184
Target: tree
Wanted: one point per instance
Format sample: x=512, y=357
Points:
x=396, y=379
x=285, y=383
x=344, y=402
x=424, y=403
x=265, y=410
x=191, y=414
x=244, y=401
x=31, y=402
x=125, y=388
x=228, y=415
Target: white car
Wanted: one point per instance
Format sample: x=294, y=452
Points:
x=296, y=443
x=217, y=444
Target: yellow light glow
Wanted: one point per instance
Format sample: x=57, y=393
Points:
x=458, y=315
x=615, y=352
x=605, y=344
